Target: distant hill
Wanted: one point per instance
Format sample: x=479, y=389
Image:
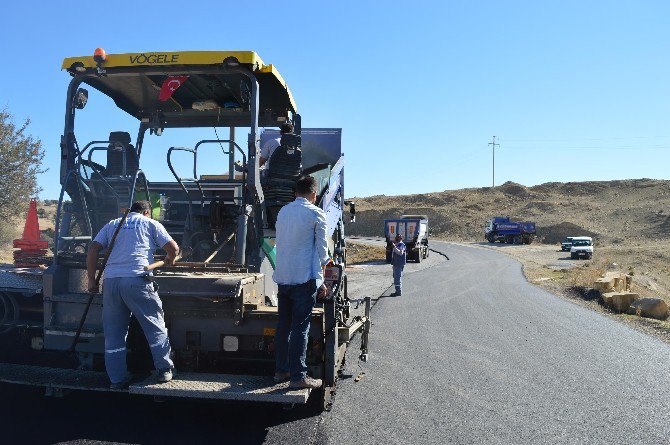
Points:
x=612, y=211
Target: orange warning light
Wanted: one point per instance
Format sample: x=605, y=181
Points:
x=99, y=55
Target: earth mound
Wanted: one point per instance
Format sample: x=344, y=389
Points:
x=612, y=211
x=555, y=233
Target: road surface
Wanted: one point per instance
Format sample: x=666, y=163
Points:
x=471, y=353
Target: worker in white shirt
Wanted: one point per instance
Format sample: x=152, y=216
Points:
x=302, y=251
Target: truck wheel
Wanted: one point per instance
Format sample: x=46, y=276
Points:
x=573, y=256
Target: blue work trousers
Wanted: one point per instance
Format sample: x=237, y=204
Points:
x=295, y=303
x=121, y=297
x=397, y=278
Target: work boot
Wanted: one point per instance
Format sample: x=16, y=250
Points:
x=281, y=377
x=118, y=386
x=165, y=375
x=307, y=382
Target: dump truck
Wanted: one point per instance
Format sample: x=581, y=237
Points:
x=507, y=231
x=414, y=231
x=220, y=302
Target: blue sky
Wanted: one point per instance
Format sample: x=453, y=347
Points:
x=573, y=90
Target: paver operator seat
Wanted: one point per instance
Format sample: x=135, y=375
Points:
x=284, y=169
x=115, y=155
x=111, y=185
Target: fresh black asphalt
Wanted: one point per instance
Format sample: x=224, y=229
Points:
x=470, y=353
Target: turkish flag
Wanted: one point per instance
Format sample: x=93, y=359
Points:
x=171, y=85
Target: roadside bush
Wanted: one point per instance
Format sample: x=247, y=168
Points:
x=21, y=158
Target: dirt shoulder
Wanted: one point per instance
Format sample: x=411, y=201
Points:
x=550, y=268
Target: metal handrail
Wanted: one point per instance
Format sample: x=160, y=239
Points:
x=60, y=207
x=99, y=173
x=244, y=160
x=189, y=221
x=213, y=141
x=81, y=152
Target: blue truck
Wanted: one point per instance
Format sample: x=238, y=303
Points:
x=504, y=230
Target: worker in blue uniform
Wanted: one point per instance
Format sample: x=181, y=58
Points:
x=398, y=260
x=127, y=289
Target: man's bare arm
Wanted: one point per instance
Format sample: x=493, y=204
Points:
x=92, y=265
x=171, y=248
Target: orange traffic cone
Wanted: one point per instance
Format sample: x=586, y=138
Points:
x=33, y=249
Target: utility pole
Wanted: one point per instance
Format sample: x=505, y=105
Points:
x=493, y=151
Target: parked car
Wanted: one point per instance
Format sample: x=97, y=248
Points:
x=582, y=247
x=567, y=243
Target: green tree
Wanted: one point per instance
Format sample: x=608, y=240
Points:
x=21, y=158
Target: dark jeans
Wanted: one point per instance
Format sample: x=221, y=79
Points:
x=397, y=278
x=295, y=310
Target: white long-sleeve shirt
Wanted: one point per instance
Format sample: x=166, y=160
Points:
x=302, y=248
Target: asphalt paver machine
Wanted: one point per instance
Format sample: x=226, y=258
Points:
x=220, y=300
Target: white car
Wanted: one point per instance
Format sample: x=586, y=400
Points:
x=582, y=247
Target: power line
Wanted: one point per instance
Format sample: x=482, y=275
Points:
x=574, y=139
x=585, y=148
x=493, y=152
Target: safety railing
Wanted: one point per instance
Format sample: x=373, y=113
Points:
x=188, y=224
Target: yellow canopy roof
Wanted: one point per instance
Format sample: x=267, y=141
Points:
x=133, y=80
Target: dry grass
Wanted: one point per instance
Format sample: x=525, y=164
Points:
x=46, y=222
x=647, y=262
x=6, y=254
x=364, y=253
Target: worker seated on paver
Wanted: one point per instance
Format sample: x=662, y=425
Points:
x=281, y=173
x=270, y=146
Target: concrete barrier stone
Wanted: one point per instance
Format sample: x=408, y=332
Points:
x=621, y=301
x=613, y=282
x=650, y=308
x=604, y=285
x=629, y=281
x=620, y=283
x=607, y=298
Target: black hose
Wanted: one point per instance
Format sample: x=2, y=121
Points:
x=439, y=253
